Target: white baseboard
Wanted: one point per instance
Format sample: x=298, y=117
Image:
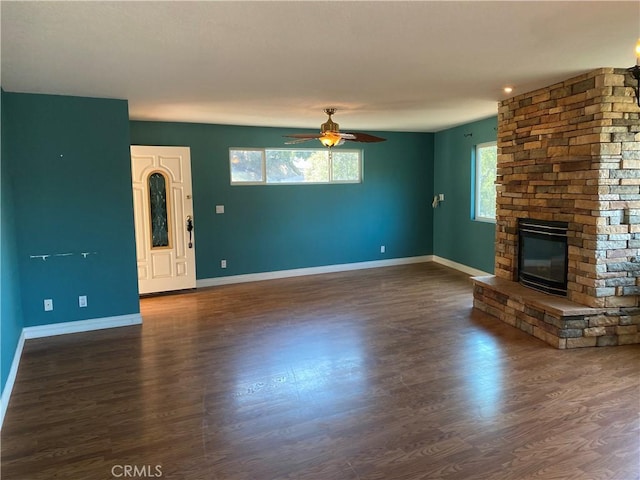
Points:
x=81, y=326
x=58, y=329
x=474, y=272
x=298, y=272
x=8, y=386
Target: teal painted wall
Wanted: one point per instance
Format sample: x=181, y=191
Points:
x=66, y=188
x=278, y=227
x=11, y=319
x=69, y=164
x=457, y=236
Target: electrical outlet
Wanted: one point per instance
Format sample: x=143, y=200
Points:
x=82, y=301
x=223, y=264
x=383, y=249
x=219, y=208
x=48, y=305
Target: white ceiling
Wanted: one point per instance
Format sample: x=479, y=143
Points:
x=386, y=65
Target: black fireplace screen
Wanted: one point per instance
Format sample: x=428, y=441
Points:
x=542, y=255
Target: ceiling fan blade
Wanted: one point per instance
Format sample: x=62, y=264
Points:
x=363, y=137
x=347, y=136
x=310, y=136
x=298, y=140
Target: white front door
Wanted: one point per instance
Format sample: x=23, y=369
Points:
x=163, y=208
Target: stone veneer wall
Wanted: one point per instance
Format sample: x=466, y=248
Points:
x=554, y=320
x=571, y=152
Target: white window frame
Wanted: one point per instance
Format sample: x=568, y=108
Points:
x=330, y=166
x=478, y=178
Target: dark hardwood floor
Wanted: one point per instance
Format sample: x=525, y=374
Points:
x=375, y=374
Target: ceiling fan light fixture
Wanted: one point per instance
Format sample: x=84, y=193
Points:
x=330, y=139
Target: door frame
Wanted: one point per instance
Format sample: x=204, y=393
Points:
x=175, y=264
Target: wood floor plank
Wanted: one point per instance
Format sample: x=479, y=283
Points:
x=385, y=373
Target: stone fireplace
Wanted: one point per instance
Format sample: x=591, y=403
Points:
x=570, y=154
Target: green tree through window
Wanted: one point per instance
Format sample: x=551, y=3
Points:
x=345, y=166
x=296, y=166
x=486, y=157
x=246, y=165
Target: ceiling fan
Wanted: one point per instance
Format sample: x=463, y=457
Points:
x=330, y=136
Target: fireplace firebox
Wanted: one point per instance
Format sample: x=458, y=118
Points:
x=542, y=255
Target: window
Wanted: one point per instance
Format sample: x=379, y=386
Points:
x=294, y=166
x=247, y=166
x=158, y=211
x=486, y=156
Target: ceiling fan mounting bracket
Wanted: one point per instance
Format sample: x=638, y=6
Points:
x=329, y=125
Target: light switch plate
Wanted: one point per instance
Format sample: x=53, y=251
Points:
x=219, y=208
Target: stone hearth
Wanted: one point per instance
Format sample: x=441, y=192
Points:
x=571, y=153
